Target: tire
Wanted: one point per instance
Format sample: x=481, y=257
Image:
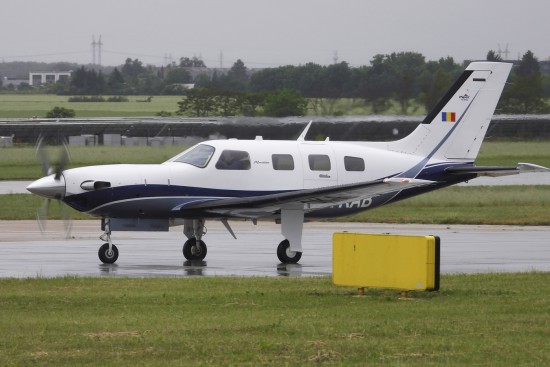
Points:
x=190, y=250
x=285, y=255
x=107, y=257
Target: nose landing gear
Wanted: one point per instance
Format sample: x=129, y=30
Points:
x=108, y=253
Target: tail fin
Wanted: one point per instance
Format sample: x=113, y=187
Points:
x=455, y=128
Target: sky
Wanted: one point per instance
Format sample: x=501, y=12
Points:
x=270, y=33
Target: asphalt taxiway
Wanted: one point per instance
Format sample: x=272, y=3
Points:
x=26, y=252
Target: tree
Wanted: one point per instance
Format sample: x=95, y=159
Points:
x=525, y=94
x=115, y=82
x=493, y=56
x=195, y=62
x=132, y=69
x=85, y=81
x=285, y=102
x=60, y=112
x=436, y=80
x=178, y=75
x=197, y=101
x=406, y=67
x=235, y=80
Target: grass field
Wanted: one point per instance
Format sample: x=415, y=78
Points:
x=475, y=320
x=29, y=105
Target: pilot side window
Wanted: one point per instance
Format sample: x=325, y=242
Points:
x=319, y=162
x=198, y=156
x=234, y=160
x=354, y=163
x=282, y=162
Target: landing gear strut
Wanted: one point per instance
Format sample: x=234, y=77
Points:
x=194, y=249
x=108, y=253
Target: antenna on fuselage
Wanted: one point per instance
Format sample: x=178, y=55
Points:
x=302, y=136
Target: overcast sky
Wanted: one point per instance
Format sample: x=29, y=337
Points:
x=266, y=33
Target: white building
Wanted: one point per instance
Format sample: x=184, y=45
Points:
x=48, y=77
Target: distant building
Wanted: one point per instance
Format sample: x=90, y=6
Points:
x=48, y=77
x=14, y=82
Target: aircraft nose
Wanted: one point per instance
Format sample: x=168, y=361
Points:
x=49, y=187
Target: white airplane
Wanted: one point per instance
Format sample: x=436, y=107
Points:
x=288, y=181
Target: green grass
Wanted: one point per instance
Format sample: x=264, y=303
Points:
x=505, y=205
x=19, y=163
x=29, y=105
x=485, y=319
x=509, y=153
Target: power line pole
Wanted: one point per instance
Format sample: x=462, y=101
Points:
x=93, y=50
x=99, y=44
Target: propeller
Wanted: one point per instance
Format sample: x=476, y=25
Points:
x=43, y=157
x=52, y=186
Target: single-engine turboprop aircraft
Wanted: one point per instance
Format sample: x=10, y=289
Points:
x=288, y=181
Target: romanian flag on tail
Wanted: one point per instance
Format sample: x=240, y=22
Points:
x=448, y=116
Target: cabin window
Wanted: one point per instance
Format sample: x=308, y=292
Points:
x=198, y=156
x=282, y=162
x=354, y=163
x=234, y=160
x=319, y=162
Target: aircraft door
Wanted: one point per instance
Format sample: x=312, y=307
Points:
x=319, y=165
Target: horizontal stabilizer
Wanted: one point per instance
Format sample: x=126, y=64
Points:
x=496, y=171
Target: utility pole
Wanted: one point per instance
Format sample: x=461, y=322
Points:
x=99, y=44
x=93, y=50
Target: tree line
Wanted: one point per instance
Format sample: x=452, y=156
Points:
x=405, y=77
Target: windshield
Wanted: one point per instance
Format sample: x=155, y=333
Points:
x=198, y=156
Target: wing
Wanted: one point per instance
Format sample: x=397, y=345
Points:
x=496, y=171
x=309, y=199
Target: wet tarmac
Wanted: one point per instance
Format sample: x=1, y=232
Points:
x=25, y=252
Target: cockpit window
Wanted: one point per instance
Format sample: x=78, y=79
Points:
x=198, y=156
x=234, y=160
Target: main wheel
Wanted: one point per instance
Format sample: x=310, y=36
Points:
x=193, y=252
x=106, y=256
x=285, y=255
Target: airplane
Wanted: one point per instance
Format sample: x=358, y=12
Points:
x=288, y=181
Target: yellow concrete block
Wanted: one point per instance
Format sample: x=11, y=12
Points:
x=386, y=261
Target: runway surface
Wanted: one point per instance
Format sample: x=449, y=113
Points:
x=25, y=252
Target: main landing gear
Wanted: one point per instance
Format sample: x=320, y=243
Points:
x=194, y=249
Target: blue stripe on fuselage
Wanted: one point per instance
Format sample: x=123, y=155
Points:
x=88, y=201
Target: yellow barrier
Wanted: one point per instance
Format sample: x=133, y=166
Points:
x=385, y=261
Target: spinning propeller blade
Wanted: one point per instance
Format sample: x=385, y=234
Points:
x=51, y=187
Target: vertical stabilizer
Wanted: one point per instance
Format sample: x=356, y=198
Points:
x=455, y=128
